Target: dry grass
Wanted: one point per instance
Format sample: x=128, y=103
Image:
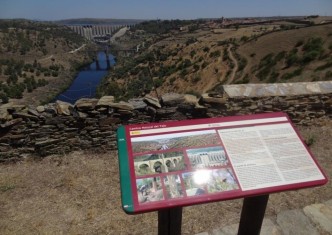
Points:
x=79, y=194
x=284, y=41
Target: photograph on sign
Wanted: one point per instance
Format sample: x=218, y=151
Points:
x=149, y=190
x=174, y=141
x=209, y=181
x=173, y=186
x=207, y=157
x=159, y=162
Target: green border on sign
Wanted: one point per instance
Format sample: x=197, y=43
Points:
x=126, y=193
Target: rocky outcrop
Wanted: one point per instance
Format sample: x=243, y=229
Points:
x=60, y=127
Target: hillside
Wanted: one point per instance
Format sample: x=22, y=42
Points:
x=292, y=55
x=37, y=60
x=196, y=56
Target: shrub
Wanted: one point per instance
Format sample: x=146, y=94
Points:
x=192, y=53
x=190, y=41
x=291, y=59
x=273, y=77
x=328, y=74
x=204, y=64
x=244, y=38
x=4, y=98
x=206, y=49
x=196, y=78
x=299, y=43
x=295, y=73
x=215, y=54
x=242, y=63
x=280, y=56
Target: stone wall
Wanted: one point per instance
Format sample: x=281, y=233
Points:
x=60, y=127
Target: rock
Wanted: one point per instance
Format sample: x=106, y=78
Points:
x=152, y=101
x=122, y=106
x=11, y=123
x=25, y=116
x=46, y=142
x=16, y=108
x=206, y=98
x=253, y=107
x=295, y=222
x=321, y=215
x=190, y=99
x=137, y=103
x=166, y=111
x=109, y=121
x=40, y=109
x=172, y=99
x=82, y=115
x=63, y=108
x=50, y=108
x=4, y=115
x=33, y=112
x=268, y=228
x=85, y=104
x=105, y=101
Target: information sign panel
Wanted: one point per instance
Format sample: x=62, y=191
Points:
x=181, y=163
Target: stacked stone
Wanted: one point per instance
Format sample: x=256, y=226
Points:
x=60, y=127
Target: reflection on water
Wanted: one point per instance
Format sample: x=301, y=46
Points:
x=87, y=80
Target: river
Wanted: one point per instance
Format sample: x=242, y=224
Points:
x=87, y=80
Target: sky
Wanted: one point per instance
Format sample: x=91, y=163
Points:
x=159, y=9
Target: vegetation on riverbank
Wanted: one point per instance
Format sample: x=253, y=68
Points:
x=35, y=58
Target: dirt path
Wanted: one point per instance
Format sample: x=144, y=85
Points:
x=231, y=56
x=77, y=49
x=46, y=58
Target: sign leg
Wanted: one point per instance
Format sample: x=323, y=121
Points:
x=252, y=215
x=169, y=221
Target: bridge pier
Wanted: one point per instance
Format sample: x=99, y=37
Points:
x=108, y=62
x=97, y=64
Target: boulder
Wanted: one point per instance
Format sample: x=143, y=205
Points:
x=207, y=98
x=138, y=103
x=86, y=104
x=50, y=108
x=40, y=109
x=63, y=108
x=16, y=108
x=172, y=99
x=11, y=123
x=152, y=101
x=25, y=116
x=190, y=99
x=122, y=106
x=4, y=115
x=33, y=112
x=105, y=101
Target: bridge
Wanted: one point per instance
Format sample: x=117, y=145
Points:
x=155, y=165
x=98, y=32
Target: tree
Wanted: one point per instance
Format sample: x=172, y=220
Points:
x=4, y=98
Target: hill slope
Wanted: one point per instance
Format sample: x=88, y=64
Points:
x=37, y=59
x=198, y=56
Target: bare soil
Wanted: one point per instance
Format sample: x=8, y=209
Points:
x=79, y=194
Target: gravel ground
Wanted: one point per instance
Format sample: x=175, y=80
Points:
x=79, y=194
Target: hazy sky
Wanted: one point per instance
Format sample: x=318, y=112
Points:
x=159, y=9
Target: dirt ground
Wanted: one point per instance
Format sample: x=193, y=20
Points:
x=79, y=194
